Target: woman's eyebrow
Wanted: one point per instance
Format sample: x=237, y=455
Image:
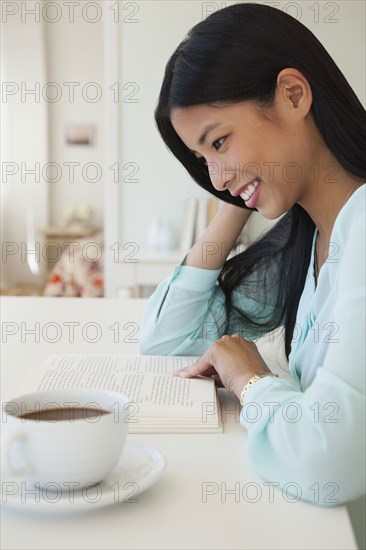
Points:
x=206, y=131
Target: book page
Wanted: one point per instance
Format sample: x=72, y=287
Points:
x=150, y=364
x=147, y=381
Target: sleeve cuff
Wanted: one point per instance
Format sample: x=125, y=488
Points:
x=194, y=278
x=256, y=404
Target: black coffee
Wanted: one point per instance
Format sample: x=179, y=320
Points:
x=64, y=413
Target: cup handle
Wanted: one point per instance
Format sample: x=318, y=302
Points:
x=10, y=439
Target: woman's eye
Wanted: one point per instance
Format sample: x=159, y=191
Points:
x=218, y=141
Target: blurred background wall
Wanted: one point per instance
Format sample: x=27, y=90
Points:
x=101, y=64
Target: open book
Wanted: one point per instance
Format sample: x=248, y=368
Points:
x=158, y=401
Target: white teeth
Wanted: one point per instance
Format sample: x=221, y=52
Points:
x=249, y=190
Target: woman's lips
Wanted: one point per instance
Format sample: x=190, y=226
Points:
x=249, y=190
x=253, y=199
x=244, y=187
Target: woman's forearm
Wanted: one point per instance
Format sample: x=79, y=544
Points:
x=213, y=247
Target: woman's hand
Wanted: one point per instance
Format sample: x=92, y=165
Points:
x=231, y=361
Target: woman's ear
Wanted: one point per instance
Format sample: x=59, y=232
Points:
x=293, y=91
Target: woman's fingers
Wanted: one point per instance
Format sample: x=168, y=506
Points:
x=230, y=361
x=199, y=367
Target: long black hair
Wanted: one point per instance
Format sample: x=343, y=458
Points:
x=235, y=55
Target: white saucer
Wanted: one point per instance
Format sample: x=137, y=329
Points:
x=139, y=467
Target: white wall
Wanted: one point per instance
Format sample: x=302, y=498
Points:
x=24, y=142
x=75, y=54
x=34, y=53
x=163, y=184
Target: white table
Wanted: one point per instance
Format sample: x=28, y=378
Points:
x=171, y=514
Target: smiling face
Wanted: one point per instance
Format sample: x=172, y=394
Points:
x=243, y=144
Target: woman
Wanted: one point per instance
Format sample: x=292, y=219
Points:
x=250, y=95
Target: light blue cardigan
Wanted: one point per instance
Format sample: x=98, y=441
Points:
x=306, y=435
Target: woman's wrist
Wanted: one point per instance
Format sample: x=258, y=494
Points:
x=242, y=214
x=219, y=238
x=240, y=383
x=243, y=381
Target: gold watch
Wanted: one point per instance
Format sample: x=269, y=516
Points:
x=252, y=381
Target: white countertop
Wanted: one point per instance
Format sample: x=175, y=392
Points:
x=171, y=514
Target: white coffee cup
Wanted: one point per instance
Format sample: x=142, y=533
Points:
x=62, y=452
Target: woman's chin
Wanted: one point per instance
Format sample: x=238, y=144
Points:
x=270, y=214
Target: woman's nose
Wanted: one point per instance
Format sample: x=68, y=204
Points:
x=220, y=178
